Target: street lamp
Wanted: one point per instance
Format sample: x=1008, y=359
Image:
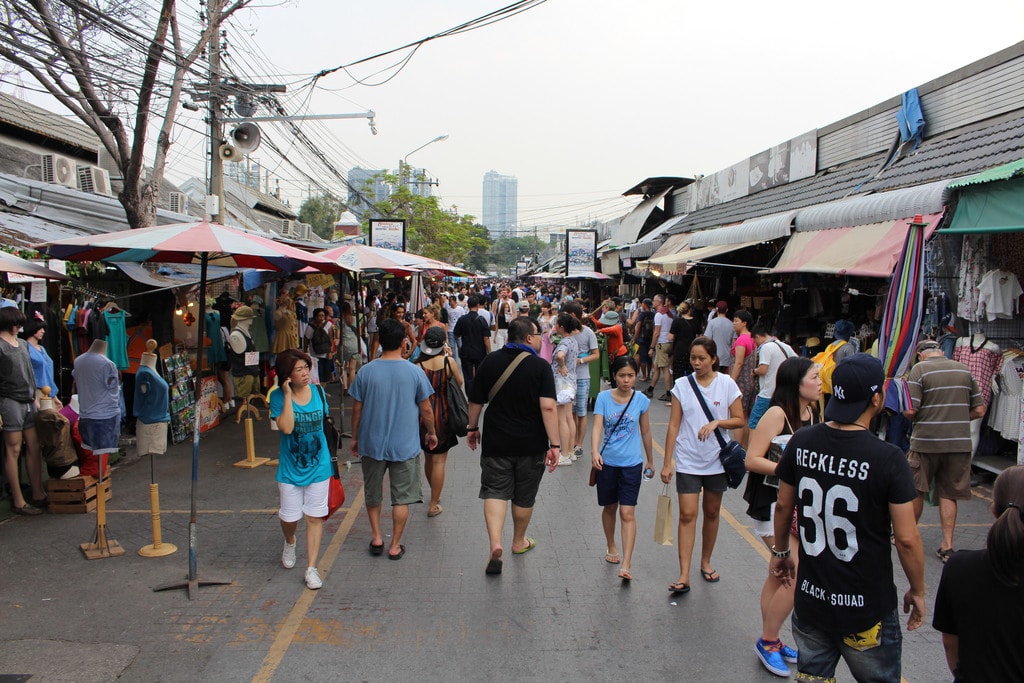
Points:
x=404, y=164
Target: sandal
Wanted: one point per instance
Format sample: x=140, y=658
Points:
x=679, y=588
x=944, y=554
x=612, y=558
x=625, y=575
x=710, y=576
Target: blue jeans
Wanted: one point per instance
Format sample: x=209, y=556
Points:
x=582, y=393
x=820, y=652
x=757, y=412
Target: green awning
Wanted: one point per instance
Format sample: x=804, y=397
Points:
x=1004, y=172
x=993, y=207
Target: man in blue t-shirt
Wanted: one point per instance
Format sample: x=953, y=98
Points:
x=386, y=433
x=849, y=488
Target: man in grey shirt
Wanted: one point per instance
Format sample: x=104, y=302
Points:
x=721, y=331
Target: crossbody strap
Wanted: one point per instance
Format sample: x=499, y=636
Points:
x=505, y=375
x=617, y=422
x=704, y=405
x=327, y=414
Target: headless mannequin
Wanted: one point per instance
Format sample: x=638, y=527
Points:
x=98, y=346
x=150, y=438
x=223, y=373
x=238, y=341
x=98, y=406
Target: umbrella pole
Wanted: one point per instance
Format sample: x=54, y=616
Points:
x=192, y=582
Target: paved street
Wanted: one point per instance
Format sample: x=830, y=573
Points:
x=556, y=613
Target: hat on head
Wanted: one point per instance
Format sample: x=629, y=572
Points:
x=844, y=329
x=433, y=341
x=927, y=345
x=524, y=305
x=610, y=318
x=854, y=381
x=722, y=306
x=243, y=313
x=301, y=290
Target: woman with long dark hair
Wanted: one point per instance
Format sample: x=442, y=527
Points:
x=18, y=412
x=691, y=454
x=793, y=405
x=981, y=594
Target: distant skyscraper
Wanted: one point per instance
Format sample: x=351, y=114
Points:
x=378, y=190
x=500, y=207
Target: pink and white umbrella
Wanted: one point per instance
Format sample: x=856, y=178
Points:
x=360, y=258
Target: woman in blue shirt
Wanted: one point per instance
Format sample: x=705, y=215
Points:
x=42, y=364
x=621, y=427
x=304, y=470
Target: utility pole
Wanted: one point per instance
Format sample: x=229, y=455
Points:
x=216, y=127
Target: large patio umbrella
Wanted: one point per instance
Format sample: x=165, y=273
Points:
x=9, y=263
x=904, y=305
x=205, y=243
x=361, y=258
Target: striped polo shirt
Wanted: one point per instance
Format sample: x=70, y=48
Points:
x=943, y=392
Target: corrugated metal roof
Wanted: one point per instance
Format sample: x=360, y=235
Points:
x=1004, y=172
x=760, y=229
x=30, y=231
x=67, y=129
x=874, y=208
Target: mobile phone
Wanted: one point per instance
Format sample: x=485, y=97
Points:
x=648, y=474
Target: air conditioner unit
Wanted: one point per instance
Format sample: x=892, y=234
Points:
x=290, y=228
x=306, y=230
x=59, y=169
x=93, y=179
x=177, y=202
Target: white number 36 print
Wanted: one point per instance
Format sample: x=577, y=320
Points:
x=821, y=512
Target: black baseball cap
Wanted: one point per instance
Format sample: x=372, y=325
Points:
x=854, y=381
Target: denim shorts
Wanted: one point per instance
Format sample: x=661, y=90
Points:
x=582, y=393
x=619, y=485
x=760, y=408
x=820, y=652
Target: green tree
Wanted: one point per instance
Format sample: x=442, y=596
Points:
x=322, y=212
x=429, y=229
x=507, y=251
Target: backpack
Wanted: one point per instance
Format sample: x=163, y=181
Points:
x=646, y=326
x=827, y=360
x=321, y=341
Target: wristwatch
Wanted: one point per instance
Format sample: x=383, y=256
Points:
x=780, y=554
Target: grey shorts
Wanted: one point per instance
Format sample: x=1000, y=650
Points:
x=693, y=483
x=404, y=478
x=17, y=416
x=511, y=478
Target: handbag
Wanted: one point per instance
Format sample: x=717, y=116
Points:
x=732, y=456
x=335, y=491
x=664, y=524
x=594, y=470
x=458, y=407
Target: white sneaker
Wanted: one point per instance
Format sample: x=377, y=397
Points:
x=562, y=460
x=288, y=555
x=313, y=580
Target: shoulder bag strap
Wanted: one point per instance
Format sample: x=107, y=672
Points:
x=505, y=375
x=617, y=422
x=327, y=414
x=707, y=411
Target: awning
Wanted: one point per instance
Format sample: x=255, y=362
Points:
x=993, y=207
x=632, y=223
x=610, y=263
x=673, y=244
x=652, y=241
x=589, y=275
x=875, y=208
x=1014, y=169
x=164, y=275
x=864, y=250
x=682, y=261
x=755, y=230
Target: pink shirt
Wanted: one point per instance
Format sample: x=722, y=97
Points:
x=747, y=342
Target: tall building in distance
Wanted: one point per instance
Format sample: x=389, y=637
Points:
x=500, y=205
x=377, y=191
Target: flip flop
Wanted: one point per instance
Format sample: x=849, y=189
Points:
x=710, y=576
x=494, y=564
x=679, y=588
x=611, y=558
x=625, y=575
x=530, y=545
x=401, y=552
x=376, y=549
x=435, y=513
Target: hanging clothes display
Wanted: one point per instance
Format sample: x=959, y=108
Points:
x=1005, y=414
x=998, y=295
x=117, y=335
x=259, y=329
x=215, y=352
x=983, y=358
x=286, y=329
x=974, y=263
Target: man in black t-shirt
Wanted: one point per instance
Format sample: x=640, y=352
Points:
x=848, y=486
x=475, y=336
x=521, y=436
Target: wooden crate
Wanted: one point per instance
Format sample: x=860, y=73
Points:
x=74, y=496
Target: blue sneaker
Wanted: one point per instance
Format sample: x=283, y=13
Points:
x=770, y=655
x=788, y=653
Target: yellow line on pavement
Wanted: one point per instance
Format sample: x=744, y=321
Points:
x=291, y=624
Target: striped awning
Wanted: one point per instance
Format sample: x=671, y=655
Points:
x=755, y=230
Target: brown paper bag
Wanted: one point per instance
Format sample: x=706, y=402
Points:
x=664, y=522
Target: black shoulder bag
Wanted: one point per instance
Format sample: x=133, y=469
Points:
x=458, y=407
x=732, y=455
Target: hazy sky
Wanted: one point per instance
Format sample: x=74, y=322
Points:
x=581, y=99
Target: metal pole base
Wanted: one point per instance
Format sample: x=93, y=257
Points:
x=192, y=585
